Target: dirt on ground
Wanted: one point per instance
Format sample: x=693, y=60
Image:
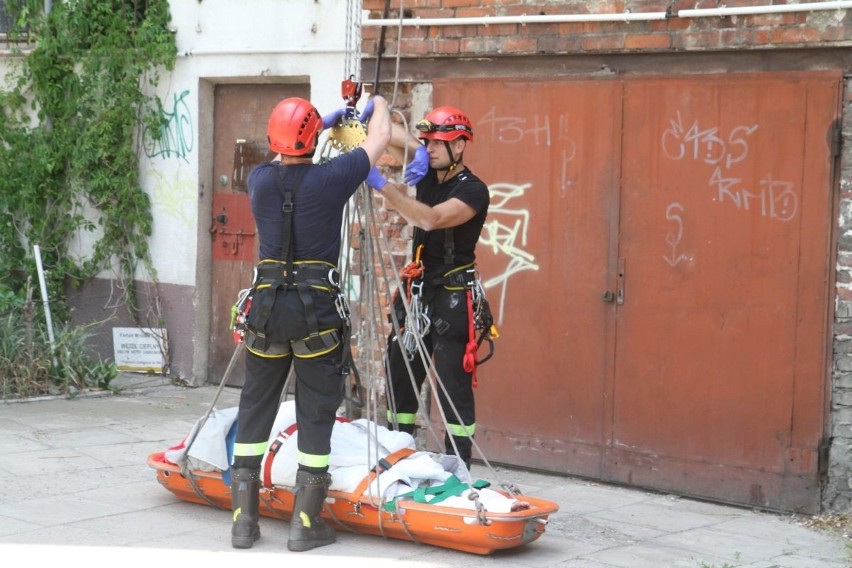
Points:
x=835, y=523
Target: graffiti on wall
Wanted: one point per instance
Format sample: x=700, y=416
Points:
x=771, y=199
x=505, y=233
x=175, y=194
x=176, y=134
x=674, y=214
x=508, y=225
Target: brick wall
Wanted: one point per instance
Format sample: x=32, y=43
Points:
x=808, y=30
x=782, y=30
x=837, y=495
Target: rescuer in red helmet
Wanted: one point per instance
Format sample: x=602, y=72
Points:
x=448, y=213
x=298, y=315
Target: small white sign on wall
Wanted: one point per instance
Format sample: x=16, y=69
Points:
x=139, y=349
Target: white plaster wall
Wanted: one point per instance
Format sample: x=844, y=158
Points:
x=224, y=40
x=221, y=41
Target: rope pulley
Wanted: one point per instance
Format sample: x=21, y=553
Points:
x=349, y=132
x=351, y=91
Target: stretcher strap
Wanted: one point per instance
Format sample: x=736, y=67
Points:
x=383, y=465
x=452, y=487
x=276, y=444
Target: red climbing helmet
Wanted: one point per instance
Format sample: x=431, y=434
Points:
x=445, y=123
x=293, y=127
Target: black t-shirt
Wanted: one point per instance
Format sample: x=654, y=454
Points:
x=318, y=204
x=472, y=191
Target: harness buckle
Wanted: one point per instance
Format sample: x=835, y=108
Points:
x=382, y=466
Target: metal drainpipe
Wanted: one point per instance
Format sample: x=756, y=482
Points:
x=523, y=19
x=271, y=51
x=622, y=17
x=775, y=9
x=546, y=19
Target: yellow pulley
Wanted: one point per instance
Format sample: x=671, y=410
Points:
x=347, y=134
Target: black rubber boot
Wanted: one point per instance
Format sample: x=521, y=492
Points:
x=465, y=446
x=307, y=529
x=245, y=485
x=407, y=428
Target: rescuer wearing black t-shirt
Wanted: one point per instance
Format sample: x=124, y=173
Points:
x=448, y=213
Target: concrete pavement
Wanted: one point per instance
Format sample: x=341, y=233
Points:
x=75, y=487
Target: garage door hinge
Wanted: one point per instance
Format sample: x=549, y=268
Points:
x=822, y=456
x=836, y=141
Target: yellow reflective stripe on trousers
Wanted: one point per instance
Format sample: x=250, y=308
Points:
x=250, y=450
x=462, y=431
x=402, y=418
x=311, y=460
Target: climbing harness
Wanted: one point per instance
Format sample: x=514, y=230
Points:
x=479, y=316
x=300, y=276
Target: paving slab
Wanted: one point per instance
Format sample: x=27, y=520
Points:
x=75, y=487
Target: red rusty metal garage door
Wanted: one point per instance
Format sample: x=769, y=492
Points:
x=658, y=254
x=550, y=155
x=240, y=116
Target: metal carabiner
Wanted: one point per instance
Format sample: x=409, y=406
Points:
x=342, y=305
x=334, y=277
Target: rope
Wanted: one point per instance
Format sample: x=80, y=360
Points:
x=433, y=380
x=352, y=58
x=381, y=46
x=184, y=467
x=373, y=249
x=398, y=52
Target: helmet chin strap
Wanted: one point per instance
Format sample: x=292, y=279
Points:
x=454, y=163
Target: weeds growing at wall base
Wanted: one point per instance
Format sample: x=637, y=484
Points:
x=29, y=367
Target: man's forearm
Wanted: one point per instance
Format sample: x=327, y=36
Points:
x=402, y=141
x=417, y=213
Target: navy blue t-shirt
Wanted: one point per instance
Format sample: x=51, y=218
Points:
x=318, y=204
x=472, y=191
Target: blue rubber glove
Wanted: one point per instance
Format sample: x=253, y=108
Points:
x=331, y=118
x=368, y=112
x=376, y=180
x=418, y=167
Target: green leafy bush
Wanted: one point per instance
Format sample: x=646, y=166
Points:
x=75, y=101
x=69, y=126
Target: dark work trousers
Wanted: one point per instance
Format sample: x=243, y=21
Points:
x=319, y=382
x=445, y=343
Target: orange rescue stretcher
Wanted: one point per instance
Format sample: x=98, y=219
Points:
x=467, y=530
